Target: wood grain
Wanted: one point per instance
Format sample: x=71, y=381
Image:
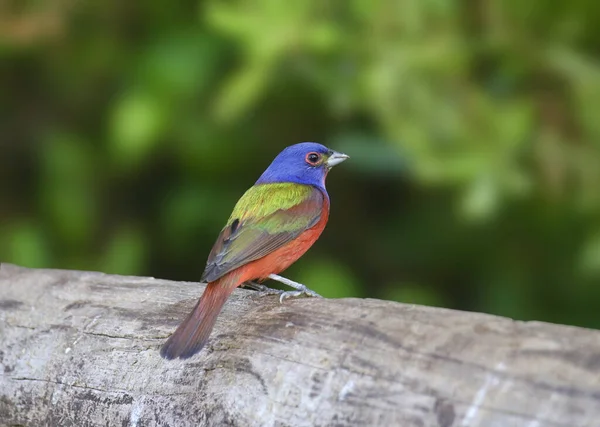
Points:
x=81, y=349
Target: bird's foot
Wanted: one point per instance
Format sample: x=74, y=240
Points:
x=262, y=289
x=300, y=288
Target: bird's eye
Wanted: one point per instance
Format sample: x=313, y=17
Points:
x=313, y=158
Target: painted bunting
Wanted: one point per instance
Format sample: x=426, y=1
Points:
x=274, y=223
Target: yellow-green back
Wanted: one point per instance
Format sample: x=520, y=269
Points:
x=264, y=199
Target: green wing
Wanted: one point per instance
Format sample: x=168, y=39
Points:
x=266, y=217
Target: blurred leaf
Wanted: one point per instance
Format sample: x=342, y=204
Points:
x=27, y=246
x=125, y=253
x=242, y=90
x=68, y=187
x=481, y=200
x=374, y=156
x=188, y=209
x=589, y=260
x=180, y=64
x=138, y=120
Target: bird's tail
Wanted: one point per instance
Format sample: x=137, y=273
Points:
x=192, y=334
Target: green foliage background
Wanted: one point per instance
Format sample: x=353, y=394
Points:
x=129, y=129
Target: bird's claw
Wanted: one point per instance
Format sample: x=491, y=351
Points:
x=300, y=288
x=305, y=291
x=268, y=291
x=263, y=290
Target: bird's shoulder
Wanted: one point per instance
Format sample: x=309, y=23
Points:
x=262, y=200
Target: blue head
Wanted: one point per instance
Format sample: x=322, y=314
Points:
x=304, y=163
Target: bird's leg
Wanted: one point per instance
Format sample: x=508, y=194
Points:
x=262, y=289
x=301, y=289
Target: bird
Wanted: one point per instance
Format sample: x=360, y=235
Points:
x=272, y=225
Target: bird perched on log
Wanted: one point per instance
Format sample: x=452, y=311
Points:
x=273, y=224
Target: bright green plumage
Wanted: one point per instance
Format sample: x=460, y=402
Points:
x=264, y=219
x=261, y=201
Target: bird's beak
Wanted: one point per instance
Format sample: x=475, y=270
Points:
x=336, y=158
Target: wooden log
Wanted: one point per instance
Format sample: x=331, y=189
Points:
x=81, y=349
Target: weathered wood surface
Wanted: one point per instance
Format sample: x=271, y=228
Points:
x=81, y=349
